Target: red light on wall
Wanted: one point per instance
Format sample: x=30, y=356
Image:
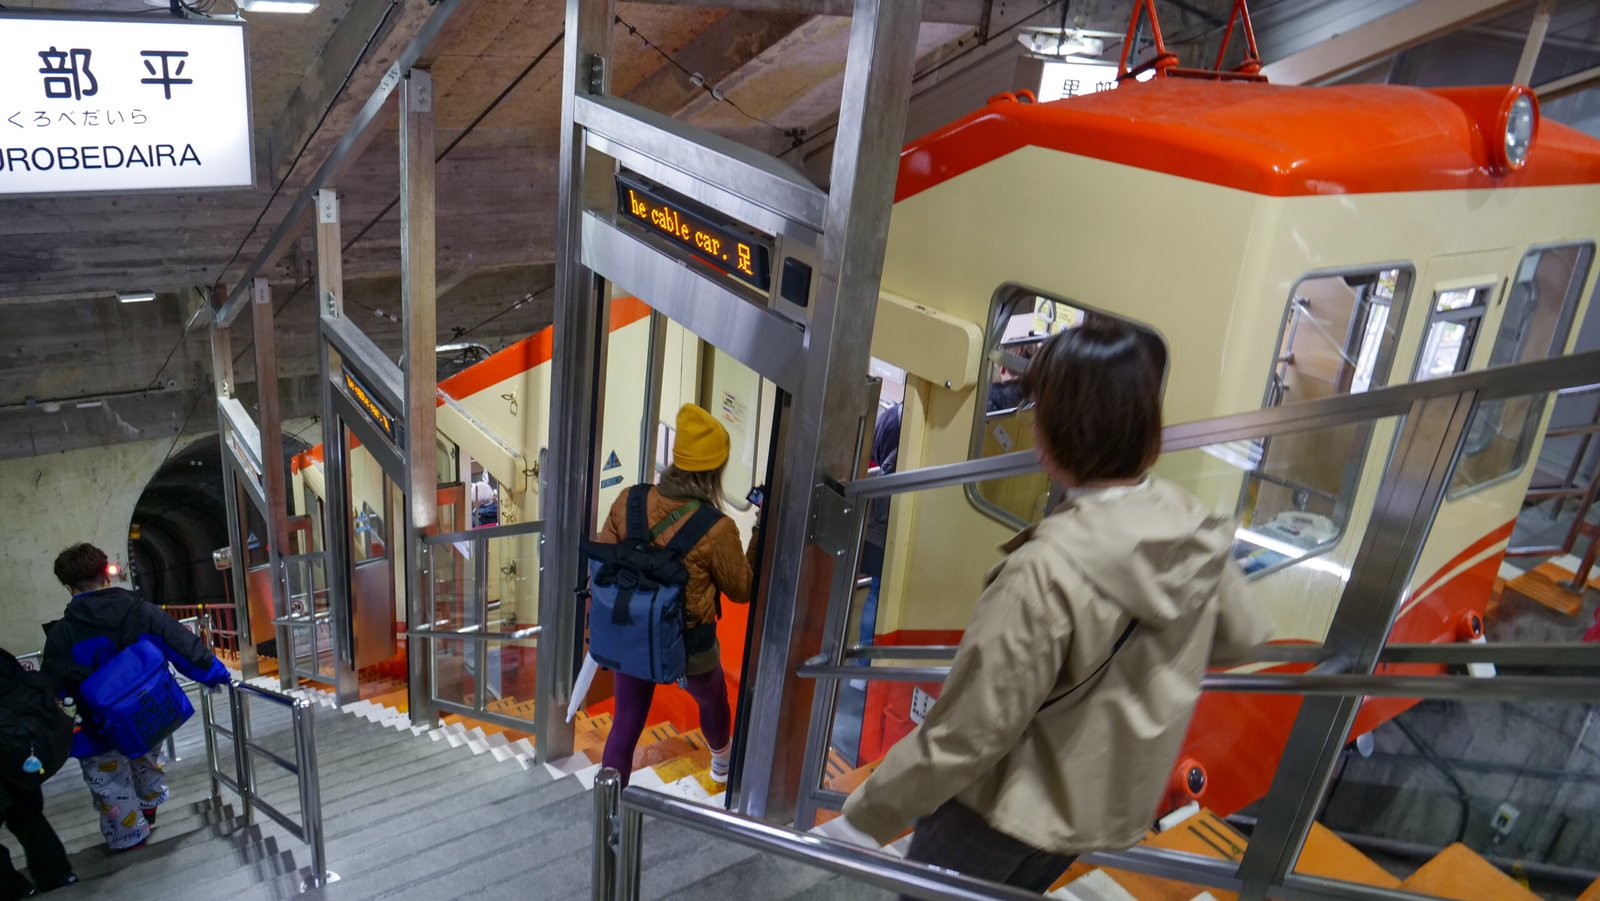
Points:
x=113, y=570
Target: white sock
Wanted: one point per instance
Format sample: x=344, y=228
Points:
x=720, y=761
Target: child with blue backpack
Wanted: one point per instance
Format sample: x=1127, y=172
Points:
x=111, y=632
x=681, y=514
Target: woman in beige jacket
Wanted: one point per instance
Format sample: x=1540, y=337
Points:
x=1072, y=689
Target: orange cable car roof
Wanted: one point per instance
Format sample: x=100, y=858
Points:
x=1276, y=140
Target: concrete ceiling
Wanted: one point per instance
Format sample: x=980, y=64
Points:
x=62, y=259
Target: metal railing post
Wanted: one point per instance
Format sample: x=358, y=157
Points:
x=305, y=752
x=241, y=754
x=480, y=604
x=607, y=787
x=631, y=826
x=208, y=724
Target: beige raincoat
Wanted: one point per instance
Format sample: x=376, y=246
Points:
x=1089, y=772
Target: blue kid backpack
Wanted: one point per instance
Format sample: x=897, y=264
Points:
x=134, y=700
x=636, y=603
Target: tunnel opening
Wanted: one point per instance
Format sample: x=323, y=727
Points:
x=179, y=519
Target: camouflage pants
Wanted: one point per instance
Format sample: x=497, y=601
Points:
x=122, y=790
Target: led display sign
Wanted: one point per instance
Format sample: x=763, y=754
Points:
x=134, y=104
x=728, y=247
x=375, y=412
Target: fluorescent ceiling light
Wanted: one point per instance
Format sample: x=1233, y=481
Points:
x=277, y=6
x=136, y=296
x=1054, y=43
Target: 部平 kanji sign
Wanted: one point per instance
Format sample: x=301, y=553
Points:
x=134, y=104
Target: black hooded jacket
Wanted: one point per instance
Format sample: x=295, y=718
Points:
x=97, y=625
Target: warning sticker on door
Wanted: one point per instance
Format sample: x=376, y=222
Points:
x=1003, y=438
x=614, y=480
x=612, y=462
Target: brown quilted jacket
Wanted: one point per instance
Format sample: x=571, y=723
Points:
x=715, y=564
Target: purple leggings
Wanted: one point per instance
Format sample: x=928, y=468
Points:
x=709, y=690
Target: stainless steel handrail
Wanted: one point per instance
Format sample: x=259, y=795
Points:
x=624, y=825
x=486, y=533
x=1504, y=381
x=474, y=633
x=1468, y=688
x=1510, y=653
x=817, y=667
x=302, y=713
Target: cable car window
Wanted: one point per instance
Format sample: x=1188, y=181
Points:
x=1539, y=310
x=1022, y=320
x=1338, y=336
x=1452, y=332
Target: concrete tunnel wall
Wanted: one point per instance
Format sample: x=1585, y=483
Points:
x=55, y=500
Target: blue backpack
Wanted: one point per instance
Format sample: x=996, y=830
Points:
x=636, y=604
x=133, y=699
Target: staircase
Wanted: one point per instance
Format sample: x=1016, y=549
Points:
x=458, y=812
x=413, y=813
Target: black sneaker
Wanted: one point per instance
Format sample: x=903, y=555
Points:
x=69, y=879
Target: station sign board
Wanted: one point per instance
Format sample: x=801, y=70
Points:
x=723, y=244
x=1076, y=78
x=138, y=103
x=375, y=411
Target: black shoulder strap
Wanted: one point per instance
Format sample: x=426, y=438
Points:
x=1121, y=640
x=694, y=530
x=128, y=636
x=638, y=513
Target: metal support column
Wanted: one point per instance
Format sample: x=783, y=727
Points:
x=1413, y=485
x=417, y=297
x=649, y=425
x=603, y=879
x=574, y=395
x=222, y=385
x=1530, y=50
x=822, y=430
x=335, y=504
x=304, y=715
x=272, y=473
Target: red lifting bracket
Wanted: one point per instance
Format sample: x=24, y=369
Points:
x=1165, y=63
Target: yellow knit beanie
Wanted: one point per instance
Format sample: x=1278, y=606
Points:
x=702, y=442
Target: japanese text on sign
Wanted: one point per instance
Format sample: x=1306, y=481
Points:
x=125, y=105
x=1061, y=80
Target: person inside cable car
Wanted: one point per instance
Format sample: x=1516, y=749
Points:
x=717, y=567
x=1075, y=679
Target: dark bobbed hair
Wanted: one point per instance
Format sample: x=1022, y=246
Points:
x=1097, y=400
x=81, y=567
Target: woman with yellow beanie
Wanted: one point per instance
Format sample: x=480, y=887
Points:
x=717, y=568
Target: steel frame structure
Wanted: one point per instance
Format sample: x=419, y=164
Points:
x=1427, y=445
x=253, y=454
x=818, y=359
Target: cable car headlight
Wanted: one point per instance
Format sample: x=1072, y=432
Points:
x=1519, y=120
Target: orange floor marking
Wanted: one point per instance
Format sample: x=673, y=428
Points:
x=1206, y=834
x=1458, y=872
x=1545, y=584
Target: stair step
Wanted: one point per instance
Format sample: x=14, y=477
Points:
x=1459, y=872
x=1546, y=584
x=260, y=854
x=488, y=841
x=99, y=861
